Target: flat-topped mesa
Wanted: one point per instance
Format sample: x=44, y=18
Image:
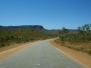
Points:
x=23, y=26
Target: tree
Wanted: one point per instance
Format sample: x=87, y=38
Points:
x=84, y=31
x=63, y=33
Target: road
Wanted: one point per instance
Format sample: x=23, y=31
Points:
x=39, y=55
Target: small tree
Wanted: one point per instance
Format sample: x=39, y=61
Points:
x=84, y=31
x=63, y=33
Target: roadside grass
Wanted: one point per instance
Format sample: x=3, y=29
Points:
x=82, y=46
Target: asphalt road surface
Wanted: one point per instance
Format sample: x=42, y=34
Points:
x=39, y=55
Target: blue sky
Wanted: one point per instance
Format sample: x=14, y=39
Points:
x=52, y=14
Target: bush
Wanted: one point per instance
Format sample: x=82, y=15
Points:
x=89, y=52
x=2, y=44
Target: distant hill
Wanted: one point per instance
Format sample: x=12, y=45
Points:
x=20, y=34
x=22, y=26
x=37, y=27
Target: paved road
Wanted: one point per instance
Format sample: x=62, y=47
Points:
x=39, y=55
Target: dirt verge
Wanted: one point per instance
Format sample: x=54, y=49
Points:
x=82, y=57
x=8, y=50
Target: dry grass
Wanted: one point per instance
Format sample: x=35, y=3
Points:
x=83, y=46
x=80, y=56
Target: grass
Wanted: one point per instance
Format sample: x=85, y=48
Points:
x=82, y=46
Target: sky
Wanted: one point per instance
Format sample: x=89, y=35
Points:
x=51, y=14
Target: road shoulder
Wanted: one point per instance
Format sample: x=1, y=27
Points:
x=9, y=50
x=82, y=57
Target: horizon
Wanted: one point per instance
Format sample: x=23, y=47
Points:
x=35, y=25
x=51, y=14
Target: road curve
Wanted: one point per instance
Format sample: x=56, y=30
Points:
x=39, y=55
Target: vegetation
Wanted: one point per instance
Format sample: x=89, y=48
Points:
x=9, y=37
x=80, y=41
